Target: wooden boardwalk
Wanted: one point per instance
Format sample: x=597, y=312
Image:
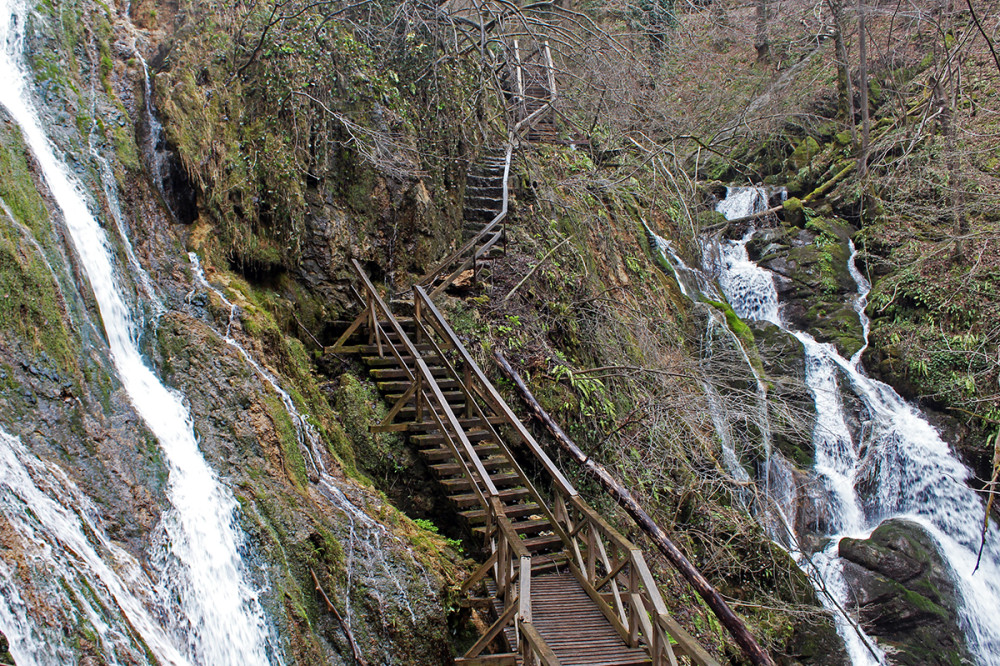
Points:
x=564, y=586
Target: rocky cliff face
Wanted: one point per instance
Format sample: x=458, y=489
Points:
x=60, y=393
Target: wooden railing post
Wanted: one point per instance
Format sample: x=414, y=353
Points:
x=416, y=320
x=419, y=397
x=633, y=598
x=468, y=388
x=591, y=553
x=370, y=306
x=524, y=593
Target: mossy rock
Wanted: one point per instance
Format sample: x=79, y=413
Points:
x=794, y=212
x=804, y=153
x=905, y=595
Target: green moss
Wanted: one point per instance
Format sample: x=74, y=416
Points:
x=803, y=154
x=295, y=464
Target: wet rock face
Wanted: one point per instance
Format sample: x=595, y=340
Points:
x=904, y=595
x=5, y=656
x=810, y=267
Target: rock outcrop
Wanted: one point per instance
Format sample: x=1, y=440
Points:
x=904, y=594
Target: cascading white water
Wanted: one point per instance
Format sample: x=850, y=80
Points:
x=364, y=534
x=213, y=612
x=308, y=438
x=913, y=473
x=54, y=523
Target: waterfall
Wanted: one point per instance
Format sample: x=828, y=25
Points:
x=54, y=523
x=913, y=473
x=364, y=533
x=308, y=438
x=212, y=609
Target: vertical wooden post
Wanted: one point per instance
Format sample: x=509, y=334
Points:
x=591, y=553
x=550, y=66
x=519, y=93
x=419, y=397
x=416, y=318
x=370, y=308
x=524, y=594
x=633, y=595
x=468, y=388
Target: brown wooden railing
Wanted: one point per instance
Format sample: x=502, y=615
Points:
x=473, y=250
x=609, y=567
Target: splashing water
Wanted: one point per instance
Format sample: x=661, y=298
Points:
x=215, y=612
x=67, y=544
x=911, y=471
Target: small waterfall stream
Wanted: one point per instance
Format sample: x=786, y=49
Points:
x=211, y=608
x=910, y=470
x=365, y=534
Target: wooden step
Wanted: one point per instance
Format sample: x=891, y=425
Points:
x=512, y=511
x=545, y=542
x=455, y=398
x=500, y=480
x=464, y=500
x=402, y=385
x=444, y=453
x=389, y=360
x=529, y=526
x=372, y=349
x=384, y=373
x=453, y=468
x=429, y=440
x=430, y=426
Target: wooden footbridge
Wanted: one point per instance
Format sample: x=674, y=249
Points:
x=563, y=585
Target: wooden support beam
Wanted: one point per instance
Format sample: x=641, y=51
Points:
x=733, y=624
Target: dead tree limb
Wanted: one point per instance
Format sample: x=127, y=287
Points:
x=644, y=521
x=340, y=618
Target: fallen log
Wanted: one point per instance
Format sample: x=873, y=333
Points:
x=358, y=658
x=733, y=624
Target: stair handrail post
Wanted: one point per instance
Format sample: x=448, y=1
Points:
x=416, y=318
x=519, y=96
x=551, y=69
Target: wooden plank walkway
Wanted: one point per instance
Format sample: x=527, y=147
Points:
x=565, y=587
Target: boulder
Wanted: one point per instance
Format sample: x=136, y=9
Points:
x=811, y=275
x=904, y=595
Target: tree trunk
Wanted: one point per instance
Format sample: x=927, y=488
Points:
x=624, y=498
x=863, y=84
x=846, y=97
x=760, y=40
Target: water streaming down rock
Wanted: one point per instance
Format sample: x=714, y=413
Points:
x=212, y=609
x=84, y=577
x=898, y=467
x=308, y=438
x=364, y=533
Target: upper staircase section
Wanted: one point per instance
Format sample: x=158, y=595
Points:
x=565, y=586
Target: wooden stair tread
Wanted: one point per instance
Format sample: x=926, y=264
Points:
x=506, y=494
x=512, y=511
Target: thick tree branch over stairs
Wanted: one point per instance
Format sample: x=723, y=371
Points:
x=624, y=498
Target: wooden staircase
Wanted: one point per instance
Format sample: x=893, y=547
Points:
x=565, y=587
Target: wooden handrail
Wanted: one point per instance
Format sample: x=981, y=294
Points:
x=494, y=397
x=540, y=650
x=377, y=300
x=446, y=263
